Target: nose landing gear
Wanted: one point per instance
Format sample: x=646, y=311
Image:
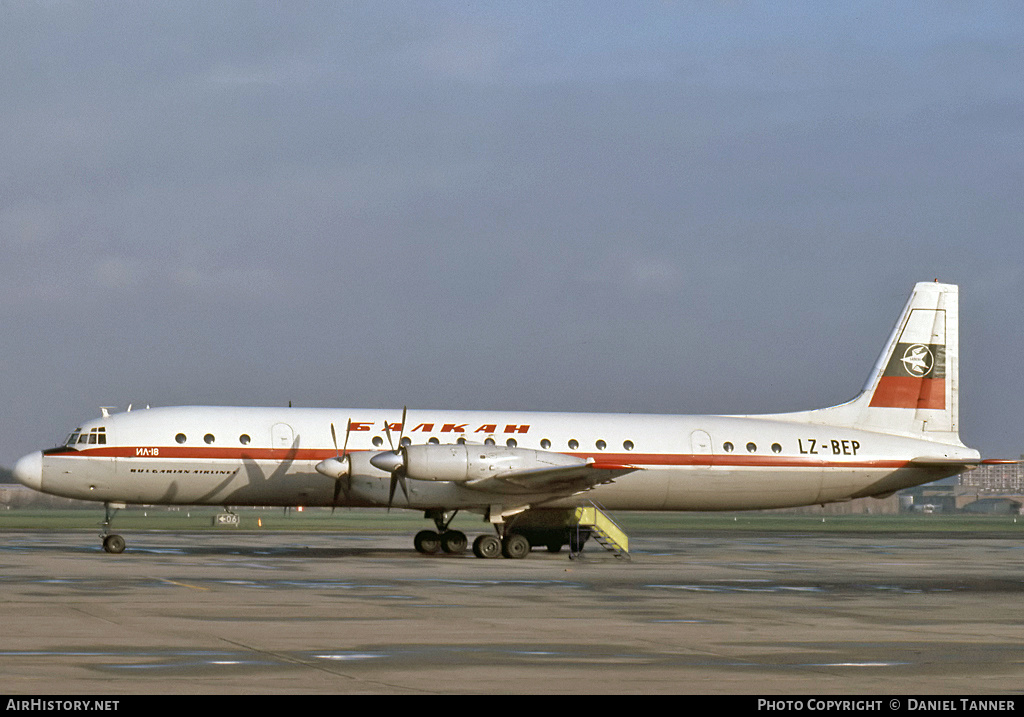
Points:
x=111, y=543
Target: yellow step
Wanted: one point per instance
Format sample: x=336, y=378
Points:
x=607, y=532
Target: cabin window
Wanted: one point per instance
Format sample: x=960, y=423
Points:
x=489, y=442
x=776, y=448
x=244, y=439
x=180, y=438
x=751, y=447
x=628, y=445
x=378, y=441
x=545, y=444
x=728, y=446
x=601, y=445
x=574, y=444
x=511, y=443
x=433, y=441
x=209, y=438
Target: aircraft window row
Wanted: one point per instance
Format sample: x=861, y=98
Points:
x=98, y=436
x=94, y=436
x=601, y=445
x=728, y=447
x=210, y=439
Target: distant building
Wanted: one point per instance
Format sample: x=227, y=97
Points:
x=994, y=506
x=1001, y=479
x=992, y=489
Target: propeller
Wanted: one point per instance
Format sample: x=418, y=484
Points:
x=393, y=462
x=339, y=467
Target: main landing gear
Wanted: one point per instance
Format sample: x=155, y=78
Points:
x=429, y=542
x=454, y=542
x=513, y=545
x=450, y=541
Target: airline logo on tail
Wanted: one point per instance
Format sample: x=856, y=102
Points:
x=918, y=360
x=915, y=376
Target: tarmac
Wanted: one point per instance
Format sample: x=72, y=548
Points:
x=221, y=612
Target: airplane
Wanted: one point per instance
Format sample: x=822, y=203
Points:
x=523, y=472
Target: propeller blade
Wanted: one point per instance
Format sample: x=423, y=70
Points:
x=393, y=461
x=338, y=467
x=348, y=430
x=397, y=478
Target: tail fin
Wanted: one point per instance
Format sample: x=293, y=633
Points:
x=914, y=387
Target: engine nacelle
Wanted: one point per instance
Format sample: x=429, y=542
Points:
x=467, y=462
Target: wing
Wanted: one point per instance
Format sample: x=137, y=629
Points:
x=563, y=480
x=501, y=469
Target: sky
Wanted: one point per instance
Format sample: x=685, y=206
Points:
x=663, y=207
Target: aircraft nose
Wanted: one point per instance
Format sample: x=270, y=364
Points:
x=29, y=470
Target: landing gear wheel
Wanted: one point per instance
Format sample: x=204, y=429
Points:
x=427, y=542
x=113, y=544
x=454, y=542
x=487, y=546
x=554, y=547
x=515, y=546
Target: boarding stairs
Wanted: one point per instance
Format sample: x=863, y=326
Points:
x=603, y=529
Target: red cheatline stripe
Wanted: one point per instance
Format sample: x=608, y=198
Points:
x=604, y=461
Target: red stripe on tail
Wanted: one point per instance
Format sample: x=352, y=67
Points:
x=910, y=392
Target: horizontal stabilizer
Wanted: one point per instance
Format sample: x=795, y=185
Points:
x=947, y=461
x=944, y=461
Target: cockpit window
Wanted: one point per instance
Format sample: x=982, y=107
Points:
x=95, y=436
x=73, y=438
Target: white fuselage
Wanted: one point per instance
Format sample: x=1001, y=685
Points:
x=196, y=455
